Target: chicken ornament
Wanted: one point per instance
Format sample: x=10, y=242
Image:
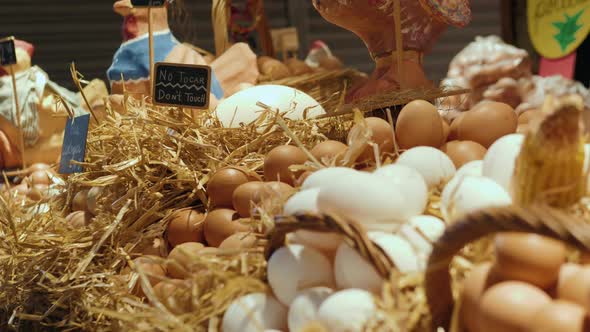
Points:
x=422, y=23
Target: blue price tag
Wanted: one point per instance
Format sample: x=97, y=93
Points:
x=74, y=145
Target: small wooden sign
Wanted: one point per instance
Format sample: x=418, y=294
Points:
x=7, y=52
x=74, y=145
x=182, y=85
x=148, y=3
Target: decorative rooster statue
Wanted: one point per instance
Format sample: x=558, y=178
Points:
x=422, y=23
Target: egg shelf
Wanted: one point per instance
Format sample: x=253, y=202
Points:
x=441, y=291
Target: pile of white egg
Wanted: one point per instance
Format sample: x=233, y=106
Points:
x=317, y=278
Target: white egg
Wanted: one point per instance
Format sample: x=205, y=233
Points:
x=422, y=247
x=467, y=194
x=241, y=108
x=305, y=201
x=327, y=243
x=500, y=160
x=410, y=182
x=474, y=167
x=430, y=227
x=253, y=313
x=325, y=176
x=434, y=165
x=347, y=311
x=304, y=308
x=296, y=267
x=363, y=198
x=351, y=270
x=398, y=250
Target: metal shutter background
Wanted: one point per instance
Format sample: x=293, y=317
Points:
x=88, y=32
x=84, y=31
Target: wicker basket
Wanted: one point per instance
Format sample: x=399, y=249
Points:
x=402, y=304
x=541, y=220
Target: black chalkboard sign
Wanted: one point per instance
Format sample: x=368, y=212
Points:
x=74, y=145
x=182, y=85
x=7, y=52
x=148, y=3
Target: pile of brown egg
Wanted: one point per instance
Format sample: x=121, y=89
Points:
x=34, y=186
x=529, y=287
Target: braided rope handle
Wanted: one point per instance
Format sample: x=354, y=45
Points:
x=355, y=236
x=541, y=220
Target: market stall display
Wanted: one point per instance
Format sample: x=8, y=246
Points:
x=274, y=211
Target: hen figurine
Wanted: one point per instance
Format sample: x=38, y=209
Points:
x=422, y=23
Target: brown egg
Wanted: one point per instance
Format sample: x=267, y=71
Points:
x=297, y=67
x=180, y=257
x=37, y=192
x=530, y=258
x=92, y=199
x=221, y=224
x=477, y=282
x=302, y=178
x=462, y=152
x=486, y=122
x=185, y=226
x=565, y=271
x=526, y=116
x=78, y=219
x=152, y=270
x=222, y=185
x=244, y=196
x=381, y=134
x=522, y=129
x=419, y=124
x=240, y=240
x=328, y=151
x=80, y=200
x=39, y=167
x=174, y=294
x=446, y=131
x=20, y=189
x=454, y=128
x=576, y=288
x=274, y=189
x=39, y=177
x=559, y=316
x=278, y=161
x=510, y=306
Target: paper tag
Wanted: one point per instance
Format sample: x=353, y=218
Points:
x=182, y=85
x=565, y=66
x=74, y=145
x=557, y=28
x=148, y=3
x=7, y=52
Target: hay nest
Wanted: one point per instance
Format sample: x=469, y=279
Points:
x=147, y=161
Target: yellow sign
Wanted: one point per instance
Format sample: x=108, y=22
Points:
x=558, y=27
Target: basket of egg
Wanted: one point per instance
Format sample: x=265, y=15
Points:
x=533, y=283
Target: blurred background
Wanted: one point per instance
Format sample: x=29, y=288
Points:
x=89, y=32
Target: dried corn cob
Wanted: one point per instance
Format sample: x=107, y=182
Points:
x=550, y=167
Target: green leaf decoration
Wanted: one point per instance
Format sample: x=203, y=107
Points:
x=568, y=29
